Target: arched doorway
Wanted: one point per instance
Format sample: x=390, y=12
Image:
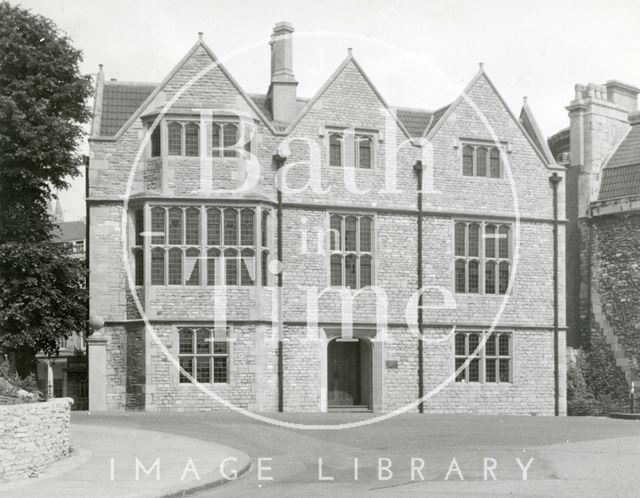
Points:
x=349, y=375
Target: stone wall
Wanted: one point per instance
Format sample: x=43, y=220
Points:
x=32, y=436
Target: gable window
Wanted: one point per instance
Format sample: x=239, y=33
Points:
x=191, y=140
x=335, y=149
x=363, y=151
x=481, y=160
x=351, y=251
x=156, y=142
x=174, y=134
x=482, y=267
x=489, y=364
x=204, y=354
x=224, y=139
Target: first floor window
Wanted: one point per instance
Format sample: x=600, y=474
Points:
x=481, y=160
x=204, y=354
x=491, y=363
x=351, y=246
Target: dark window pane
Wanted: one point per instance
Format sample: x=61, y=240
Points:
x=350, y=270
x=474, y=240
x=213, y=263
x=203, y=369
x=460, y=275
x=175, y=266
x=157, y=225
x=192, y=139
x=460, y=344
x=504, y=277
x=490, y=277
x=220, y=346
x=187, y=364
x=174, y=131
x=495, y=162
x=336, y=270
x=156, y=143
x=203, y=341
x=139, y=267
x=265, y=228
x=175, y=226
x=265, y=268
x=467, y=160
x=481, y=161
x=216, y=144
x=490, y=346
x=474, y=281
x=490, y=241
x=186, y=341
x=157, y=266
x=364, y=145
x=230, y=140
x=247, y=227
x=461, y=375
x=460, y=239
x=230, y=227
x=503, y=241
x=474, y=370
x=504, y=370
x=213, y=227
x=335, y=149
x=193, y=226
x=350, y=224
x=474, y=342
x=504, y=345
x=231, y=266
x=490, y=370
x=220, y=369
x=365, y=234
x=192, y=266
x=139, y=226
x=365, y=271
x=247, y=267
x=335, y=234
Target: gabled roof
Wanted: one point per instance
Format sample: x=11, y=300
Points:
x=119, y=101
x=551, y=164
x=530, y=125
x=349, y=59
x=621, y=174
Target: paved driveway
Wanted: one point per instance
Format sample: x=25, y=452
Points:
x=562, y=456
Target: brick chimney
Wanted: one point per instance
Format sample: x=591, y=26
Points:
x=282, y=91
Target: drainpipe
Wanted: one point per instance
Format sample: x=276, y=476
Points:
x=88, y=331
x=280, y=159
x=555, y=179
x=418, y=167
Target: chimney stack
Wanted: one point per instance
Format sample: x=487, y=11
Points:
x=283, y=82
x=622, y=94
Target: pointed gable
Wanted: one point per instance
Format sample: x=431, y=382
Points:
x=533, y=130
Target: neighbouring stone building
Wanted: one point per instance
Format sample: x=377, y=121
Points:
x=601, y=151
x=187, y=229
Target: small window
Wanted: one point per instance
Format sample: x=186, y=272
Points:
x=192, y=231
x=467, y=160
x=138, y=257
x=351, y=243
x=139, y=226
x=175, y=266
x=158, y=228
x=490, y=364
x=192, y=266
x=335, y=149
x=157, y=266
x=230, y=140
x=192, y=140
x=174, y=131
x=156, y=142
x=216, y=139
x=481, y=160
x=363, y=147
x=208, y=361
x=175, y=226
x=495, y=165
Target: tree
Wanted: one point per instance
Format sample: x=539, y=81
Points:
x=43, y=107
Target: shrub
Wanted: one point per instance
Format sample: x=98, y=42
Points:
x=14, y=389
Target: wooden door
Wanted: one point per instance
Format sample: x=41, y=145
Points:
x=344, y=382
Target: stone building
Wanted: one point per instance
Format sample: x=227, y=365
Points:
x=601, y=151
x=188, y=233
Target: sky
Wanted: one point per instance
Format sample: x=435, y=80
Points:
x=418, y=53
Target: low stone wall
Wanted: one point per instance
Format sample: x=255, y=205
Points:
x=32, y=436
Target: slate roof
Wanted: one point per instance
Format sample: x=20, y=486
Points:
x=418, y=121
x=70, y=230
x=621, y=174
x=119, y=101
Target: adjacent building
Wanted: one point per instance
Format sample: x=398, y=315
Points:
x=199, y=194
x=601, y=150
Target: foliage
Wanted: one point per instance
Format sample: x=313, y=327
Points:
x=595, y=384
x=42, y=111
x=15, y=389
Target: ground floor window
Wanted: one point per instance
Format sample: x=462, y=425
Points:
x=204, y=354
x=490, y=364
